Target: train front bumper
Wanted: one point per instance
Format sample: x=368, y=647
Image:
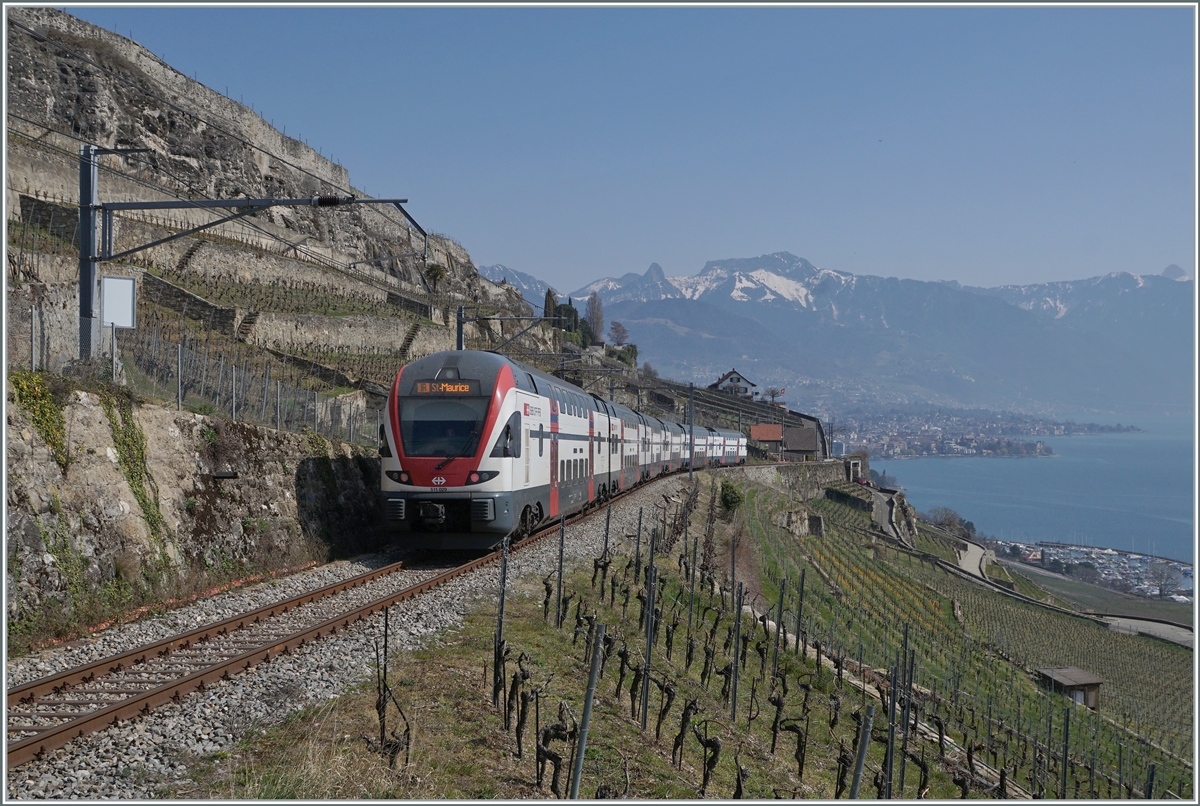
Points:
x=449, y=513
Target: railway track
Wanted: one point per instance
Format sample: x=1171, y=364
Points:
x=46, y=714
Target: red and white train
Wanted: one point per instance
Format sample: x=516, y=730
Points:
x=476, y=446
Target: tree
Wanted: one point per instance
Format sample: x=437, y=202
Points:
x=649, y=372
x=566, y=317
x=550, y=304
x=618, y=333
x=772, y=392
x=595, y=314
x=435, y=273
x=944, y=517
x=1162, y=576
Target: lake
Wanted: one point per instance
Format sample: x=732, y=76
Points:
x=1131, y=491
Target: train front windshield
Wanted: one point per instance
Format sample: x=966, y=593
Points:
x=442, y=427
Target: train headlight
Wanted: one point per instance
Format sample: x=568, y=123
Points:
x=480, y=476
x=398, y=476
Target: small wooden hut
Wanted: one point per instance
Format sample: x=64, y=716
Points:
x=1081, y=686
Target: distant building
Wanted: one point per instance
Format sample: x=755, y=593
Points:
x=734, y=383
x=1081, y=686
x=802, y=443
x=770, y=435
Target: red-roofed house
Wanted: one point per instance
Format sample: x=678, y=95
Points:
x=769, y=434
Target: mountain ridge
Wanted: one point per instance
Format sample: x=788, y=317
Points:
x=1115, y=341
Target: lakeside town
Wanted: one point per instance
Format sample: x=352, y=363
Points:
x=941, y=432
x=1124, y=571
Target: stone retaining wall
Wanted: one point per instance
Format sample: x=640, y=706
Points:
x=296, y=497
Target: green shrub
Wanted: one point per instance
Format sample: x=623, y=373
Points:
x=32, y=393
x=731, y=497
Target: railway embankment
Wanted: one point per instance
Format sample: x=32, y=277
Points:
x=113, y=504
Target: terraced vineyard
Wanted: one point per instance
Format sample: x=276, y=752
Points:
x=975, y=652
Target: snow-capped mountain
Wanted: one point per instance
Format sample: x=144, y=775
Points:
x=1119, y=340
x=531, y=288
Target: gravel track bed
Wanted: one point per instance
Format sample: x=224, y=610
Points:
x=139, y=758
x=218, y=607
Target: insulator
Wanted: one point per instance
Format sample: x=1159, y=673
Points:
x=328, y=200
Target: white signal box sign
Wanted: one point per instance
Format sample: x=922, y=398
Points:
x=118, y=301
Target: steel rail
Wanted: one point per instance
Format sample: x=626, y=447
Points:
x=53, y=737
x=86, y=673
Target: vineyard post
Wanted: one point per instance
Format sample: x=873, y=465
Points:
x=266, y=394
x=1062, y=782
x=562, y=529
x=733, y=542
x=178, y=375
x=1049, y=738
x=778, y=629
x=597, y=649
x=889, y=759
x=233, y=387
x=737, y=643
x=908, y=693
x=800, y=612
x=497, y=665
x=651, y=589
x=1120, y=767
x=278, y=408
x=607, y=521
x=864, y=740
x=862, y=688
x=692, y=569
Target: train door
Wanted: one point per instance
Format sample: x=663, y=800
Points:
x=554, y=446
x=591, y=456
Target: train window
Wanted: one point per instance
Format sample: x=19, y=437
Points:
x=574, y=468
x=562, y=464
x=509, y=441
x=440, y=427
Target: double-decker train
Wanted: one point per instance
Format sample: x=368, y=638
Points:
x=476, y=446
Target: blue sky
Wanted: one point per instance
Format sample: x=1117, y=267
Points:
x=984, y=145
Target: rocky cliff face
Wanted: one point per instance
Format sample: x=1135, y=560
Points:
x=68, y=76
x=86, y=538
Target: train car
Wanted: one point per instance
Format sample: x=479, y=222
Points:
x=476, y=446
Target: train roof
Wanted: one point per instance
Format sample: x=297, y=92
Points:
x=485, y=365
